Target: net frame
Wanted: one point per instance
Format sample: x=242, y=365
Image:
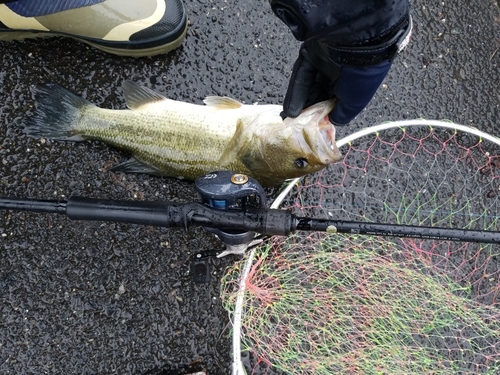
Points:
x=237, y=364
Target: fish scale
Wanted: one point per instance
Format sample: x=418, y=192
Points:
x=159, y=143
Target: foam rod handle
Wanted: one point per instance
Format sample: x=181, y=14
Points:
x=145, y=213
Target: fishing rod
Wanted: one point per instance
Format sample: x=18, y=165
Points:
x=233, y=208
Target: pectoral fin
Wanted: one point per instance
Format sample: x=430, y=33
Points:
x=234, y=146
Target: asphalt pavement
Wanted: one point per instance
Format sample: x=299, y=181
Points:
x=107, y=298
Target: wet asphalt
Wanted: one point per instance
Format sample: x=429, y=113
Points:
x=107, y=298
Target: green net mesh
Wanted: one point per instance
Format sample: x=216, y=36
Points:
x=337, y=304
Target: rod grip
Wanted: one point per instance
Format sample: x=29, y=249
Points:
x=144, y=213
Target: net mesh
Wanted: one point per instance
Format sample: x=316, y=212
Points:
x=320, y=303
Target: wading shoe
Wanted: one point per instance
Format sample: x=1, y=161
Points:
x=121, y=27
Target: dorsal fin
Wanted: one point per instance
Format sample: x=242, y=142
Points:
x=137, y=95
x=222, y=102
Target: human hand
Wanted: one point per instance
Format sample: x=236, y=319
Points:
x=338, y=61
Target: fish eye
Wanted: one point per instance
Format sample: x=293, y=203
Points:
x=301, y=163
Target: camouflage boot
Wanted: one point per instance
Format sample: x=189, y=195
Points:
x=122, y=27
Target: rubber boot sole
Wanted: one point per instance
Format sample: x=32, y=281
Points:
x=8, y=36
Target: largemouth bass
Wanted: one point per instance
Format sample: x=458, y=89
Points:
x=177, y=139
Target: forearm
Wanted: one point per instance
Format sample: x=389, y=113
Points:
x=352, y=22
x=355, y=88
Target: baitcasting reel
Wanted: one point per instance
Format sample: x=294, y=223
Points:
x=226, y=191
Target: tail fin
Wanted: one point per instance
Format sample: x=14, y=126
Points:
x=57, y=113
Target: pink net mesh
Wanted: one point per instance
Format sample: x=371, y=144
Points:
x=320, y=303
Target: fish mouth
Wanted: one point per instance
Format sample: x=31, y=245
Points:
x=316, y=134
x=327, y=130
x=320, y=139
x=328, y=147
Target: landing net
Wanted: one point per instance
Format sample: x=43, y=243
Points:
x=316, y=303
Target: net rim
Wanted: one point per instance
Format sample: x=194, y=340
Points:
x=238, y=367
